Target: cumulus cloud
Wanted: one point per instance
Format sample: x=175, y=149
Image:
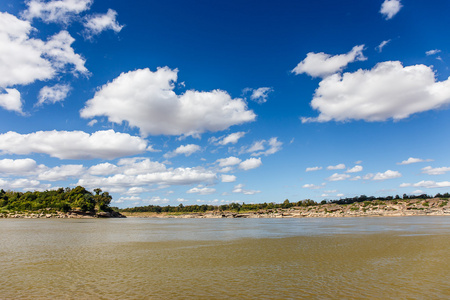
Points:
x=311, y=169
x=187, y=150
x=251, y=163
x=389, y=90
x=263, y=147
x=259, y=95
x=103, y=169
x=428, y=184
x=62, y=172
x=338, y=177
x=232, y=138
x=435, y=171
x=10, y=100
x=240, y=189
x=336, y=167
x=312, y=186
x=323, y=65
x=355, y=169
x=413, y=160
x=390, y=8
x=73, y=144
x=56, y=11
x=17, y=166
x=229, y=161
x=381, y=45
x=146, y=100
x=389, y=174
x=24, y=184
x=95, y=24
x=201, y=191
x=228, y=178
x=432, y=52
x=53, y=94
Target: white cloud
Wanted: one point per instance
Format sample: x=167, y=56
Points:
x=11, y=100
x=146, y=100
x=336, y=167
x=62, y=172
x=240, y=189
x=389, y=174
x=17, y=166
x=201, y=191
x=355, y=169
x=259, y=95
x=103, y=169
x=232, y=138
x=323, y=65
x=310, y=169
x=413, y=160
x=228, y=178
x=55, y=11
x=97, y=23
x=92, y=122
x=263, y=147
x=251, y=163
x=381, y=45
x=73, y=144
x=435, y=171
x=432, y=52
x=53, y=94
x=187, y=150
x=156, y=199
x=387, y=91
x=168, y=177
x=24, y=184
x=312, y=186
x=338, y=177
x=428, y=184
x=390, y=8
x=355, y=178
x=229, y=161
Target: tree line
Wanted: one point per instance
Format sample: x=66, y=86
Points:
x=62, y=199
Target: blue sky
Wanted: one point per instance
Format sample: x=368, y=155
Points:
x=194, y=102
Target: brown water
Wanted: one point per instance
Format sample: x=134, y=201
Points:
x=354, y=258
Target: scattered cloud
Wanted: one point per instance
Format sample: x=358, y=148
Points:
x=435, y=171
x=17, y=166
x=263, y=147
x=232, y=138
x=259, y=95
x=62, y=173
x=311, y=169
x=323, y=65
x=10, y=100
x=146, y=100
x=187, y=150
x=389, y=174
x=73, y=144
x=312, y=186
x=228, y=178
x=336, y=167
x=240, y=189
x=251, y=163
x=413, y=160
x=55, y=11
x=53, y=94
x=229, y=161
x=355, y=169
x=338, y=177
x=201, y=191
x=387, y=91
x=96, y=24
x=432, y=52
x=427, y=184
x=390, y=8
x=382, y=45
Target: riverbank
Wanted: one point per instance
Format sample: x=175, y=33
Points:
x=75, y=214
x=394, y=208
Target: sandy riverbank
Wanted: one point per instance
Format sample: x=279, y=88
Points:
x=415, y=207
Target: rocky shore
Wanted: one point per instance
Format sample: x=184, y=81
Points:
x=74, y=214
x=416, y=207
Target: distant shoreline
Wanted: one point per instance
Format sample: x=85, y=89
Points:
x=395, y=208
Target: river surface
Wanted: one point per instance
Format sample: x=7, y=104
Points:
x=134, y=258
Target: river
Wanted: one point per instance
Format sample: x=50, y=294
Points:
x=138, y=258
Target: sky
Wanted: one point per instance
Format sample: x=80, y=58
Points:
x=212, y=102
